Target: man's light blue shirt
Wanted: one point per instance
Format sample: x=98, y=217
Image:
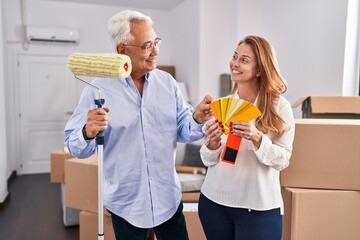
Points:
x=140, y=181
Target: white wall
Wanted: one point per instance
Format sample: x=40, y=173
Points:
x=309, y=39
x=199, y=37
x=352, y=50
x=3, y=155
x=217, y=43
x=204, y=38
x=91, y=20
x=184, y=37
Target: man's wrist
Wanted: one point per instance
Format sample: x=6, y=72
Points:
x=193, y=116
x=84, y=134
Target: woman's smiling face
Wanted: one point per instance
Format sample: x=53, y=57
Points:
x=243, y=65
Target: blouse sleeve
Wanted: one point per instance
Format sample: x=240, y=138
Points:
x=276, y=154
x=211, y=157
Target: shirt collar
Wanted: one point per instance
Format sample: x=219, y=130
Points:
x=129, y=78
x=236, y=95
x=147, y=75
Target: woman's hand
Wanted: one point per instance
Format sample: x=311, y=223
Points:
x=248, y=131
x=214, y=130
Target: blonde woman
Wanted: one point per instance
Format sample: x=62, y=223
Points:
x=243, y=200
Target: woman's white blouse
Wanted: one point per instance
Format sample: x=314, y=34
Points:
x=253, y=182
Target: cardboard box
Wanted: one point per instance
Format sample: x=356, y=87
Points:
x=312, y=214
x=339, y=107
x=326, y=155
x=89, y=226
x=81, y=183
x=190, y=197
x=57, y=159
x=81, y=193
x=193, y=223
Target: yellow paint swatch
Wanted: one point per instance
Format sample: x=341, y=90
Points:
x=228, y=110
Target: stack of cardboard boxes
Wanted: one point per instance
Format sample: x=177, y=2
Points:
x=82, y=193
x=81, y=187
x=321, y=186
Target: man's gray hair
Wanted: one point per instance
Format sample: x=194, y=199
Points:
x=119, y=25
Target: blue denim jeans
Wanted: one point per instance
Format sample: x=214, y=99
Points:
x=228, y=223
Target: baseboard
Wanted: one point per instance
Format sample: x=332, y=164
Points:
x=6, y=197
x=11, y=177
x=4, y=200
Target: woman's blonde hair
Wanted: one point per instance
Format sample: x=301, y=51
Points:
x=271, y=86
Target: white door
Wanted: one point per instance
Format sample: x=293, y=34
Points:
x=48, y=94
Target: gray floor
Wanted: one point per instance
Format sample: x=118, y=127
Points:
x=33, y=211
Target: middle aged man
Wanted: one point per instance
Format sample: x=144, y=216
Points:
x=148, y=117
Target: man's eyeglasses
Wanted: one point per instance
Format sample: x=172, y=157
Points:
x=148, y=46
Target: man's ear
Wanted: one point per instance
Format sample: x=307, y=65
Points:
x=120, y=49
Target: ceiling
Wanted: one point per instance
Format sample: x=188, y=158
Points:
x=147, y=4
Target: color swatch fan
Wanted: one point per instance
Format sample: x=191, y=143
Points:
x=228, y=110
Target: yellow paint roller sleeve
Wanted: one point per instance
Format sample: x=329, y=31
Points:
x=105, y=65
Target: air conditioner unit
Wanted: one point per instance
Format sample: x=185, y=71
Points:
x=52, y=34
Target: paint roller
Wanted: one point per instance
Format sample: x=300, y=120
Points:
x=104, y=65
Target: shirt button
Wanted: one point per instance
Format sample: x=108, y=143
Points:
x=150, y=178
